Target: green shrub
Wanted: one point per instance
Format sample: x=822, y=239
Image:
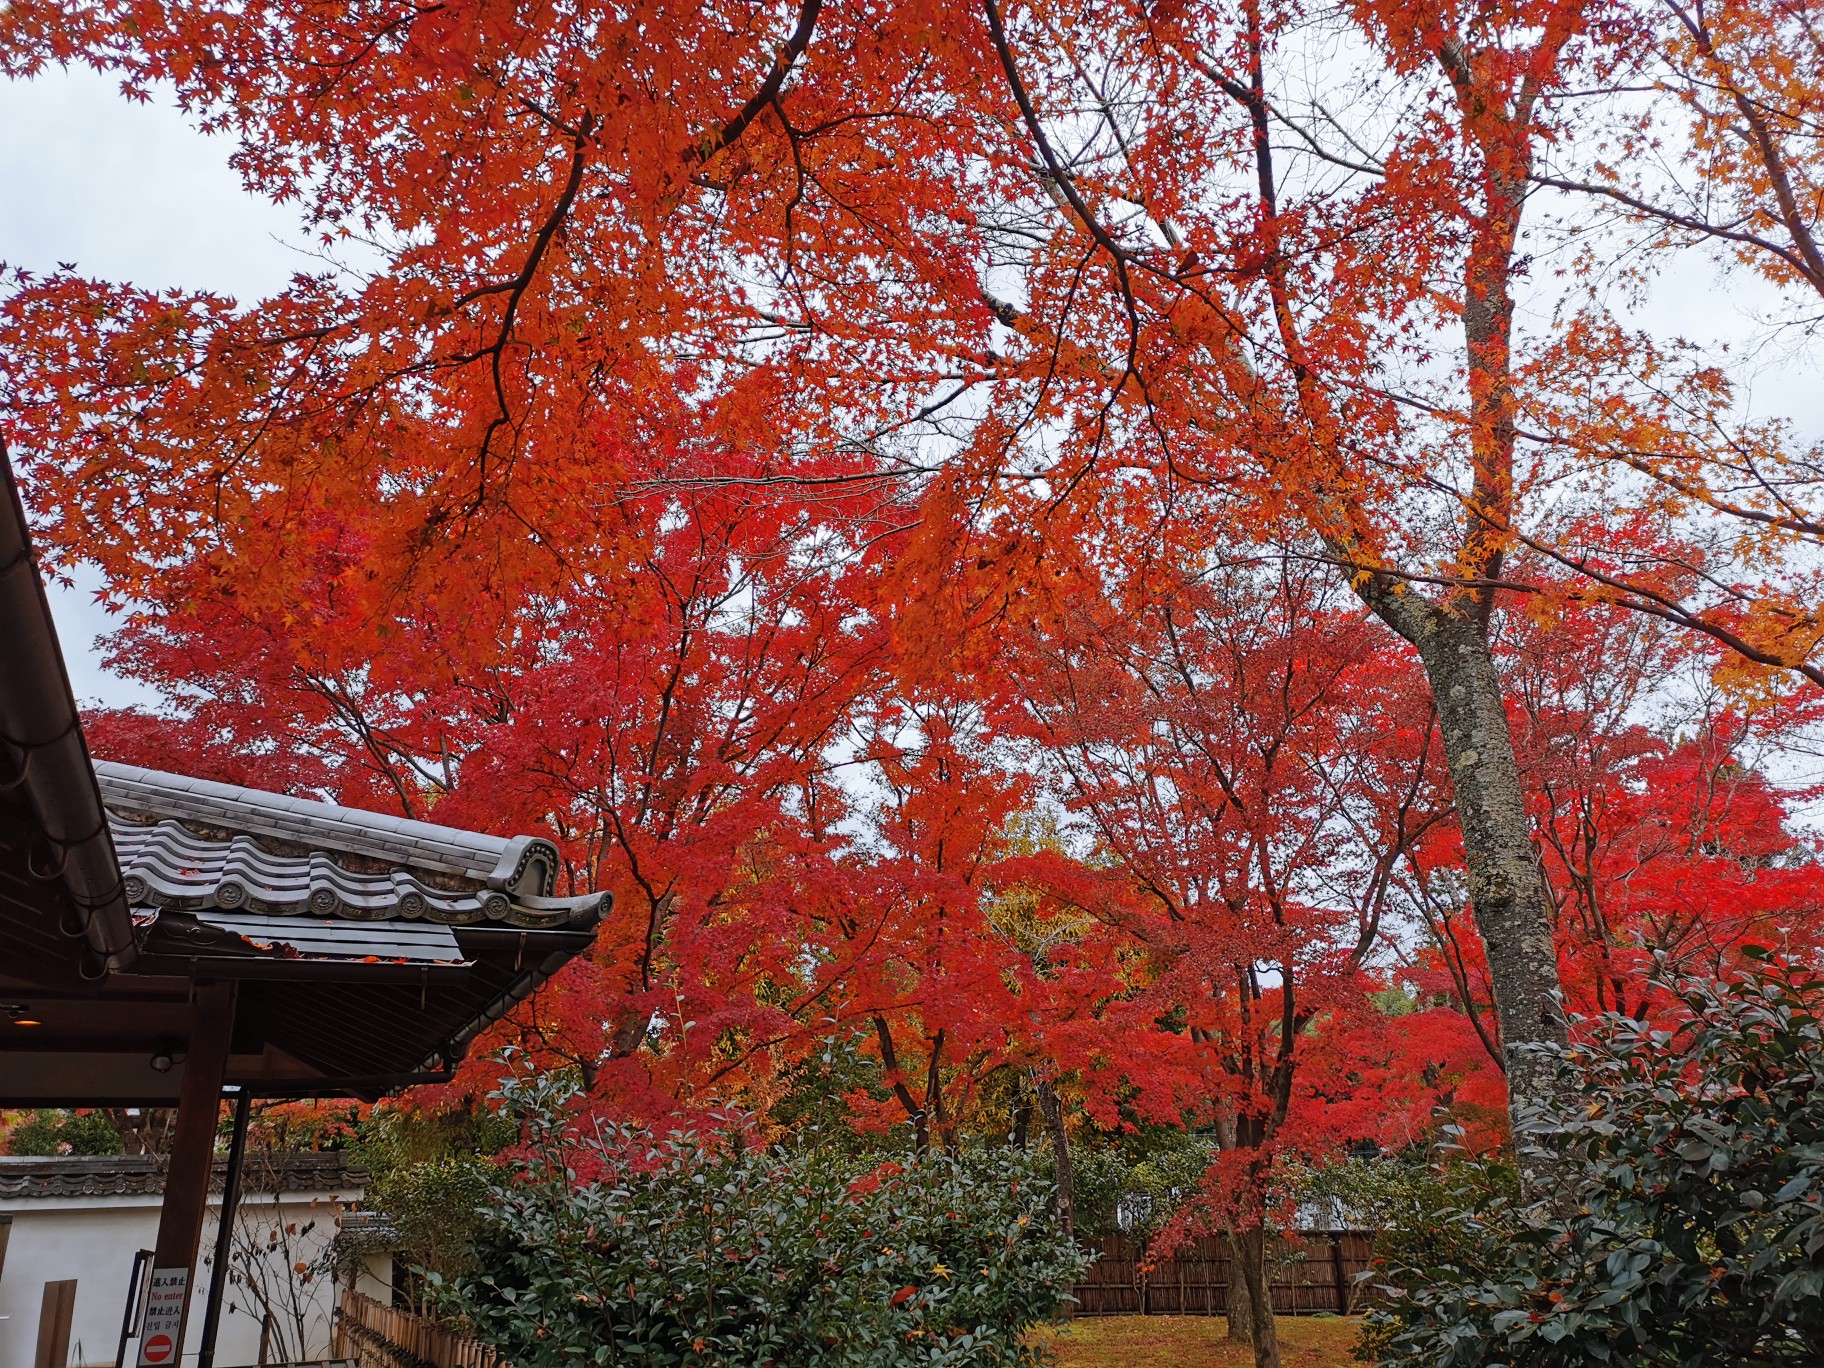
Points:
x=1404, y=1198
x=605, y=1247
x=429, y=1177
x=1152, y=1171
x=1697, y=1161
x=47, y=1133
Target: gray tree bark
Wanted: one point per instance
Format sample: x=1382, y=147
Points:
x=1248, y=1266
x=1507, y=889
x=1241, y=1310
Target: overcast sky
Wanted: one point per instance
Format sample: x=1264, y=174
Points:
x=127, y=192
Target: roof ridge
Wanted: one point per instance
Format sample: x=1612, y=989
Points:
x=136, y=1175
x=499, y=861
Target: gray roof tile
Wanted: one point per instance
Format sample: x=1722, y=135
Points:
x=438, y=874
x=400, y=942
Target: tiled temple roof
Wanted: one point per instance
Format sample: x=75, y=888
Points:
x=366, y=953
x=363, y=1232
x=139, y=1175
x=190, y=845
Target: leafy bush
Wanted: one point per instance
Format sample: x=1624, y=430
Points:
x=1403, y=1198
x=1698, y=1236
x=605, y=1247
x=1398, y=1194
x=1398, y=1197
x=47, y=1133
x=430, y=1174
x=1135, y=1182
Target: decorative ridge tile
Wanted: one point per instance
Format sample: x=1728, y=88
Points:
x=189, y=845
x=26, y=1179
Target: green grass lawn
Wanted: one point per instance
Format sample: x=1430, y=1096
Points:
x=1194, y=1342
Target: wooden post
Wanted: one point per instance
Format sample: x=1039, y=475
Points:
x=1336, y=1265
x=224, y=1230
x=180, y=1220
x=54, y=1324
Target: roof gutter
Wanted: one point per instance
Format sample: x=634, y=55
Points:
x=44, y=755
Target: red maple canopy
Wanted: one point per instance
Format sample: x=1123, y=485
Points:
x=1018, y=539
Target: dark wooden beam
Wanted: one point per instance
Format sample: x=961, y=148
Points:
x=224, y=1231
x=180, y=1220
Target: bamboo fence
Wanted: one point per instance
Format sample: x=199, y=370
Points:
x=374, y=1335
x=1313, y=1274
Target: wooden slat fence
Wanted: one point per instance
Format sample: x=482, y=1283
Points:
x=374, y=1335
x=1313, y=1273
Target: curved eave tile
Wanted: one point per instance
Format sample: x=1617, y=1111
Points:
x=168, y=866
x=303, y=821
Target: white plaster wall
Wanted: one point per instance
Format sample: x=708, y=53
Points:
x=93, y=1240
x=374, y=1277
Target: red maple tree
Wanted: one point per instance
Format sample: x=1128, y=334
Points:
x=741, y=389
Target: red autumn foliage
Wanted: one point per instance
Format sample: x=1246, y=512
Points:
x=1018, y=540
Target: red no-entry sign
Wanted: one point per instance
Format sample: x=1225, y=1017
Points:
x=166, y=1293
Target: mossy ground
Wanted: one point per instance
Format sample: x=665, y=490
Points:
x=1195, y=1342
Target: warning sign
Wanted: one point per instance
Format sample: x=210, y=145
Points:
x=164, y=1322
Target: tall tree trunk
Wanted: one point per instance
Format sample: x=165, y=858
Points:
x=896, y=1079
x=1507, y=889
x=1022, y=1114
x=935, y=1104
x=1248, y=1266
x=1053, y=1108
x=1241, y=1309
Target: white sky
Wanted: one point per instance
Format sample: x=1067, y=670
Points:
x=127, y=192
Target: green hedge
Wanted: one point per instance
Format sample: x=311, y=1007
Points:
x=605, y=1247
x=1695, y=1151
